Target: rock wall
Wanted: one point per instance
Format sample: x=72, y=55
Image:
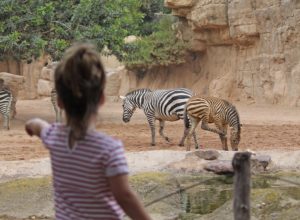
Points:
x=38, y=76
x=29, y=71
x=240, y=50
x=250, y=49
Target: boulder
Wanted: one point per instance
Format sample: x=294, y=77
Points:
x=113, y=82
x=180, y=3
x=205, y=154
x=47, y=74
x=14, y=82
x=44, y=87
x=221, y=167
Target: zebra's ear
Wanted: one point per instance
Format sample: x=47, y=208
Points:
x=122, y=97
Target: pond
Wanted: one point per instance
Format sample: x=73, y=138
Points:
x=171, y=196
x=210, y=197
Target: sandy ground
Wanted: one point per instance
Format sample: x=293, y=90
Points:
x=264, y=128
x=272, y=130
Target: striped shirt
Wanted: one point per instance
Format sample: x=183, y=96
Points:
x=80, y=174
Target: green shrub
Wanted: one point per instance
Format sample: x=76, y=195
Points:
x=161, y=48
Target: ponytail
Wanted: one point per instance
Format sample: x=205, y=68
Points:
x=80, y=81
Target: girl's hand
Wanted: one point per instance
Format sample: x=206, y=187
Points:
x=35, y=126
x=28, y=128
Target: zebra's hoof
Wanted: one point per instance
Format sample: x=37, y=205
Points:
x=167, y=139
x=181, y=145
x=152, y=144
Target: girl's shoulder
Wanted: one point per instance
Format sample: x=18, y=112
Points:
x=103, y=139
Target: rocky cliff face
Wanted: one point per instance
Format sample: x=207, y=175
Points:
x=240, y=50
x=249, y=50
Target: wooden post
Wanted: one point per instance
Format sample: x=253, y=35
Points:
x=242, y=176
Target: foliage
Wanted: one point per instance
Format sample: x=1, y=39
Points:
x=30, y=27
x=161, y=48
x=152, y=10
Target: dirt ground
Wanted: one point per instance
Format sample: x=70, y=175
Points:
x=264, y=128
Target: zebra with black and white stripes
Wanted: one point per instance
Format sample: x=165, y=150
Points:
x=161, y=105
x=217, y=111
x=6, y=99
x=57, y=109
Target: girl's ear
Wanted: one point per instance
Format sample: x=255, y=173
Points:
x=60, y=103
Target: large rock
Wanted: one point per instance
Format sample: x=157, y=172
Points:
x=44, y=87
x=205, y=154
x=113, y=84
x=179, y=3
x=14, y=82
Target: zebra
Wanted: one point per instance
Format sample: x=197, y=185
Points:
x=161, y=105
x=57, y=109
x=6, y=100
x=13, y=111
x=217, y=111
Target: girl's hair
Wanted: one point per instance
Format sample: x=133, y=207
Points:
x=79, y=82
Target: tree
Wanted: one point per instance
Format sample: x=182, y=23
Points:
x=151, y=9
x=31, y=27
x=161, y=48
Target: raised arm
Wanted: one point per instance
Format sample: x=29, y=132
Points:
x=33, y=127
x=126, y=198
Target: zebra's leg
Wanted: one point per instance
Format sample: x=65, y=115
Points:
x=13, y=109
x=161, y=130
x=195, y=140
x=223, y=137
x=151, y=121
x=224, y=142
x=205, y=126
x=6, y=121
x=185, y=133
x=194, y=123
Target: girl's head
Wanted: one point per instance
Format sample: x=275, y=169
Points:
x=80, y=82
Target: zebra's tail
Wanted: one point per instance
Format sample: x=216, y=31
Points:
x=186, y=119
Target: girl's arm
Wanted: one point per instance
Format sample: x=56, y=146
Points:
x=35, y=126
x=126, y=198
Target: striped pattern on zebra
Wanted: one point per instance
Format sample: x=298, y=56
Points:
x=58, y=110
x=6, y=100
x=162, y=105
x=217, y=111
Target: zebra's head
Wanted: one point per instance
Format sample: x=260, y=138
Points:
x=235, y=137
x=128, y=108
x=132, y=100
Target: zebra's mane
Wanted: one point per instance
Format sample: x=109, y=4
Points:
x=138, y=91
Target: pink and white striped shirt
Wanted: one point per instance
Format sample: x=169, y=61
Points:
x=80, y=174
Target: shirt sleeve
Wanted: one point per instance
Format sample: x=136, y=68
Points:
x=117, y=163
x=46, y=134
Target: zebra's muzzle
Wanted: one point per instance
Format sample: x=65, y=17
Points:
x=126, y=120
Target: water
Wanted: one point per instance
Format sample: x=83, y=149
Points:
x=270, y=198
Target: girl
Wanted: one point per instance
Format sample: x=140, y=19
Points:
x=90, y=172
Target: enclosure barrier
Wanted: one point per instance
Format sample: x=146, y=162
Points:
x=242, y=185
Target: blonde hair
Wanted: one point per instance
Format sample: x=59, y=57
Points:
x=80, y=82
